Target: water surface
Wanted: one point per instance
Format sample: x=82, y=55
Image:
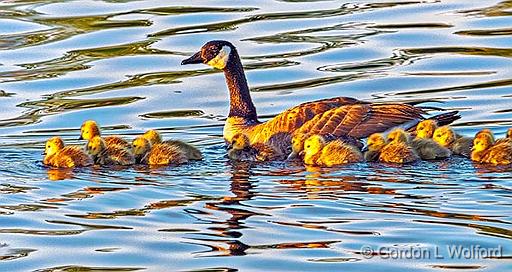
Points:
x=118, y=62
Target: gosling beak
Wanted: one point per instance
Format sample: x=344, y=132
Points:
x=80, y=138
x=301, y=154
x=44, y=153
x=292, y=156
x=364, y=149
x=194, y=59
x=229, y=146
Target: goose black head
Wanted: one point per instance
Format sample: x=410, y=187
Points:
x=213, y=53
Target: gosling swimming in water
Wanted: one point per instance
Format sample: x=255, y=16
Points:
x=485, y=150
x=398, y=150
x=157, y=154
x=241, y=150
x=425, y=129
x=337, y=152
x=298, y=140
x=459, y=145
x=58, y=155
x=90, y=129
x=104, y=154
x=425, y=146
x=374, y=145
x=189, y=150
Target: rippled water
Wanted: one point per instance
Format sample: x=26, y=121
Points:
x=118, y=62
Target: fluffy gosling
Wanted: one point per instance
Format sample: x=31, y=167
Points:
x=104, y=154
x=485, y=150
x=374, y=145
x=90, y=129
x=426, y=128
x=58, y=155
x=157, y=154
x=398, y=149
x=459, y=145
x=337, y=152
x=190, y=151
x=240, y=149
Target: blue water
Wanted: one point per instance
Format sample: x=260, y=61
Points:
x=118, y=62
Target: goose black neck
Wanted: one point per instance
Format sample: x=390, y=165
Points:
x=240, y=99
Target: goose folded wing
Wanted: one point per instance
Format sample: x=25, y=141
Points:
x=361, y=120
x=294, y=118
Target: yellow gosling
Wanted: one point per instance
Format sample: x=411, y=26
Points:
x=104, y=154
x=509, y=133
x=58, y=155
x=398, y=150
x=374, y=145
x=152, y=136
x=158, y=154
x=298, y=140
x=337, y=152
x=459, y=145
x=242, y=150
x=90, y=129
x=190, y=151
x=426, y=128
x=485, y=150
x=428, y=149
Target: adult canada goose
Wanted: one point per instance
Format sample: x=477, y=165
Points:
x=337, y=116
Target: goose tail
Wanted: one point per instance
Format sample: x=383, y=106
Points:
x=446, y=118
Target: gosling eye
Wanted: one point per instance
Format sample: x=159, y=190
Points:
x=308, y=146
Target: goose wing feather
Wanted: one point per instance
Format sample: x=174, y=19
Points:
x=361, y=120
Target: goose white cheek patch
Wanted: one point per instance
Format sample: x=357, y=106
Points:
x=221, y=59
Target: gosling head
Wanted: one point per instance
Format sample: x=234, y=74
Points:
x=152, y=136
x=313, y=145
x=298, y=140
x=485, y=131
x=140, y=146
x=375, y=142
x=398, y=136
x=214, y=53
x=53, y=145
x=89, y=130
x=482, y=142
x=95, y=145
x=426, y=128
x=444, y=136
x=240, y=141
x=509, y=133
